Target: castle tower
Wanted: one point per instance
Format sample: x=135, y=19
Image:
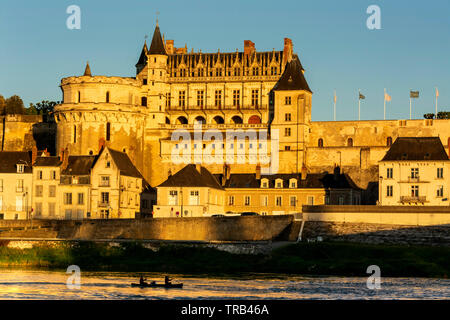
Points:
x=157, y=75
x=100, y=108
x=290, y=114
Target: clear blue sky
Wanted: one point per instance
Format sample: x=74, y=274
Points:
x=411, y=51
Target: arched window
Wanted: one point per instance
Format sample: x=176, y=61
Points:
x=167, y=120
x=218, y=120
x=349, y=142
x=108, y=131
x=236, y=120
x=200, y=119
x=389, y=141
x=182, y=120
x=107, y=97
x=254, y=120
x=320, y=143
x=144, y=101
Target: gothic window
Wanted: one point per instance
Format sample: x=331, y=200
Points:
x=273, y=71
x=200, y=98
x=200, y=72
x=320, y=143
x=237, y=71
x=255, y=98
x=236, y=98
x=183, y=72
x=182, y=98
x=218, y=72
x=218, y=98
x=255, y=71
x=168, y=100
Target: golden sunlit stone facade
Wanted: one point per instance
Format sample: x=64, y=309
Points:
x=243, y=90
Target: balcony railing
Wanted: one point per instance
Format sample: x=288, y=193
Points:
x=209, y=107
x=103, y=204
x=414, y=179
x=413, y=199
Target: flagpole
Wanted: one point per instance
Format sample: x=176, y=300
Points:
x=410, y=108
x=384, y=103
x=436, y=102
x=359, y=105
x=334, y=105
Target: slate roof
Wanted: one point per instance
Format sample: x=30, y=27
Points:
x=143, y=57
x=47, y=162
x=87, y=70
x=412, y=148
x=292, y=77
x=189, y=176
x=124, y=164
x=79, y=165
x=313, y=180
x=157, y=45
x=10, y=159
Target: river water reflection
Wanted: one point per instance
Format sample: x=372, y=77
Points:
x=34, y=284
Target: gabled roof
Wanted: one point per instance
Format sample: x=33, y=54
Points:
x=79, y=165
x=189, y=176
x=157, y=45
x=47, y=161
x=312, y=181
x=292, y=77
x=143, y=57
x=124, y=164
x=413, y=148
x=10, y=159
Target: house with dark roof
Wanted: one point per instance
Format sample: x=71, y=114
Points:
x=118, y=189
x=191, y=192
x=15, y=184
x=415, y=171
x=194, y=191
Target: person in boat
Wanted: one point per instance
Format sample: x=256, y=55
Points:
x=142, y=281
x=167, y=280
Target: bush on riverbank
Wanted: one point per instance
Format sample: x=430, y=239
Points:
x=326, y=258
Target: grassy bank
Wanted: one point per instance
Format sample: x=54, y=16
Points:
x=347, y=259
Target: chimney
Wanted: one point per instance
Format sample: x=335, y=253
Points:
x=198, y=167
x=101, y=144
x=249, y=47
x=33, y=155
x=258, y=172
x=304, y=172
x=224, y=175
x=228, y=172
x=169, y=47
x=65, y=159
x=336, y=173
x=287, y=51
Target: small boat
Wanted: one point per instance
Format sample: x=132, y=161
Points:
x=157, y=285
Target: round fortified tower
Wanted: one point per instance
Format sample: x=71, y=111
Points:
x=100, y=110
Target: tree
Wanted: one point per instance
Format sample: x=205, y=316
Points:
x=440, y=115
x=44, y=107
x=2, y=105
x=14, y=105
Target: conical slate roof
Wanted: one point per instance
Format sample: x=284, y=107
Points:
x=157, y=45
x=292, y=77
x=143, y=57
x=87, y=71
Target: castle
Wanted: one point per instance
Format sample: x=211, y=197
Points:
x=244, y=90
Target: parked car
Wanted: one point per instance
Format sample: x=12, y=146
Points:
x=249, y=214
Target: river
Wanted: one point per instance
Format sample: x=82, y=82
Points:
x=51, y=285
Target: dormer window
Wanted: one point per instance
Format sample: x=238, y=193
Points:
x=264, y=183
x=279, y=183
x=20, y=168
x=293, y=183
